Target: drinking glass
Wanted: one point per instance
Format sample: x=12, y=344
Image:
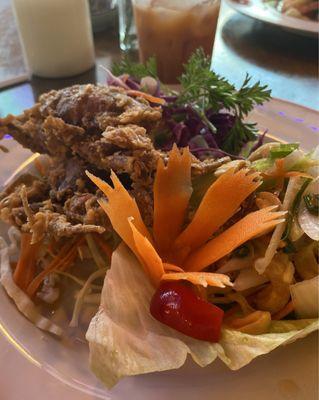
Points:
x=127, y=30
x=172, y=30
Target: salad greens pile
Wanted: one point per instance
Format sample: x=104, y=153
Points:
x=207, y=113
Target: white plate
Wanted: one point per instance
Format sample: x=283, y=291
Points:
x=264, y=12
x=60, y=370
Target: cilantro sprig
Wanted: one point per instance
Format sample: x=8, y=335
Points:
x=204, y=90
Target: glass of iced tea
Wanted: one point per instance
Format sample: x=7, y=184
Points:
x=171, y=30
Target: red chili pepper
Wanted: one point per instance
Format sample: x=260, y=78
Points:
x=176, y=305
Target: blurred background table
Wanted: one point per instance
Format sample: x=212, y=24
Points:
x=284, y=60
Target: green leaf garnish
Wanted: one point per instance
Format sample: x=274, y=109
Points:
x=135, y=69
x=205, y=90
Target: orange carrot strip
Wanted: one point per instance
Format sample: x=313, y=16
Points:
x=26, y=265
x=172, y=191
x=172, y=267
x=119, y=208
x=220, y=202
x=150, y=98
x=280, y=167
x=24, y=253
x=36, y=282
x=68, y=260
x=292, y=174
x=248, y=227
x=106, y=248
x=289, y=307
x=280, y=171
x=148, y=256
x=200, y=278
x=61, y=260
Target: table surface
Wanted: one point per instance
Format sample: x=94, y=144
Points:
x=284, y=60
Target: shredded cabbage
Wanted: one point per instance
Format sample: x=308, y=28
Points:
x=249, y=278
x=308, y=222
x=262, y=263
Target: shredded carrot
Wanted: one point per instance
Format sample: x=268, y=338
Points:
x=293, y=174
x=26, y=266
x=148, y=255
x=61, y=261
x=220, y=202
x=68, y=260
x=107, y=249
x=172, y=267
x=119, y=208
x=200, y=278
x=150, y=98
x=280, y=167
x=172, y=191
x=248, y=227
x=289, y=307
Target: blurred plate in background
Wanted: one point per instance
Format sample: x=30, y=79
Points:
x=264, y=12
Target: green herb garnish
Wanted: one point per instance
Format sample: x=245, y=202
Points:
x=312, y=203
x=135, y=69
x=204, y=90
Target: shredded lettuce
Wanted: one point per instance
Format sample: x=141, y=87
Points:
x=263, y=164
x=262, y=263
x=283, y=150
x=308, y=163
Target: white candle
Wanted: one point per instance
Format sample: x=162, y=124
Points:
x=56, y=36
